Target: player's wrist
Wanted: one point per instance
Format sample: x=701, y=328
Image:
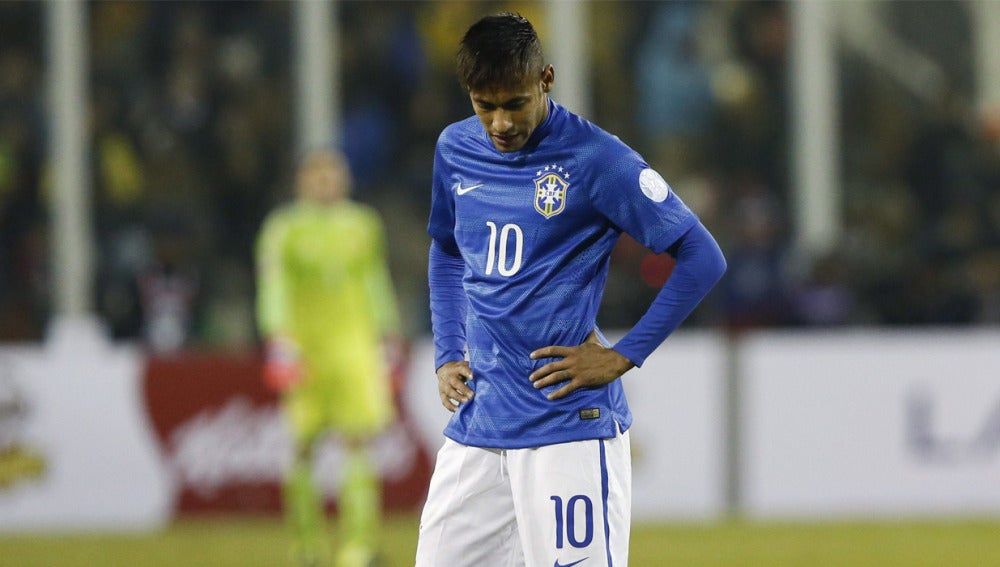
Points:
x=623, y=361
x=282, y=363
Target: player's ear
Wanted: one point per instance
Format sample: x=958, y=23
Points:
x=548, y=78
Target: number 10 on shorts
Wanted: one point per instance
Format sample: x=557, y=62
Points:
x=567, y=516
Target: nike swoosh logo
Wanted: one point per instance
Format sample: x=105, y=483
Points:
x=462, y=191
x=558, y=564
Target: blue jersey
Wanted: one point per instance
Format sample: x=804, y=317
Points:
x=535, y=229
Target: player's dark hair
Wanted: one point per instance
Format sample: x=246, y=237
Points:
x=499, y=51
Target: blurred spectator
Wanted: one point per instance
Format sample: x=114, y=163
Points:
x=191, y=126
x=825, y=297
x=750, y=133
x=192, y=119
x=757, y=290
x=676, y=104
x=23, y=219
x=227, y=317
x=983, y=276
x=169, y=289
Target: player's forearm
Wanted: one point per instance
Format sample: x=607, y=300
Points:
x=700, y=265
x=448, y=304
x=272, y=313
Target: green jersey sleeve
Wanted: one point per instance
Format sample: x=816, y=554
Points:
x=273, y=311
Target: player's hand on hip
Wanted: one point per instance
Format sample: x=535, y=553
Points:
x=585, y=366
x=452, y=387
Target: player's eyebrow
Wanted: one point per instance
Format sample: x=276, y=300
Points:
x=515, y=101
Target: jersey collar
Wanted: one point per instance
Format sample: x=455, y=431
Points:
x=544, y=128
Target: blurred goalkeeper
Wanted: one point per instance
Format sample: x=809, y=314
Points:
x=327, y=310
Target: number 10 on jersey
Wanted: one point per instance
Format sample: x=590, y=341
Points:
x=498, y=255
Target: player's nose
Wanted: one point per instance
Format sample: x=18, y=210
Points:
x=501, y=122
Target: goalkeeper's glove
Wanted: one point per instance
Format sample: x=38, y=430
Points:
x=282, y=364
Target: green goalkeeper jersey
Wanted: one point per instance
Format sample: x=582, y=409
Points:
x=323, y=281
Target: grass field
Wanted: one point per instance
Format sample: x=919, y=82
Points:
x=261, y=542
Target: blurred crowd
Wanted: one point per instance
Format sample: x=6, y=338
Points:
x=191, y=124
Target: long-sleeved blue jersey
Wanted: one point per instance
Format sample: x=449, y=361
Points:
x=524, y=240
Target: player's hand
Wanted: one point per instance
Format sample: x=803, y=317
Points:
x=282, y=364
x=585, y=366
x=452, y=378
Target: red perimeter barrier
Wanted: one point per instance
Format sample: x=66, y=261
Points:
x=221, y=434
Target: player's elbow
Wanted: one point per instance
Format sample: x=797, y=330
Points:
x=700, y=253
x=717, y=265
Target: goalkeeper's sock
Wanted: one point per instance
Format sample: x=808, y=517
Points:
x=360, y=502
x=304, y=513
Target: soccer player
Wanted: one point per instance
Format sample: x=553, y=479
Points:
x=528, y=200
x=325, y=305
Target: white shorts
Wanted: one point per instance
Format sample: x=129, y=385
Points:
x=560, y=505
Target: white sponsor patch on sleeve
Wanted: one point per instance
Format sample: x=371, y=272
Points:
x=653, y=185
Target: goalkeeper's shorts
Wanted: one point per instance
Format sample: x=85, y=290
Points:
x=354, y=405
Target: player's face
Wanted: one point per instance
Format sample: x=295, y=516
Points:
x=323, y=178
x=511, y=114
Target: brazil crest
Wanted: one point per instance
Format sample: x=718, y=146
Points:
x=550, y=190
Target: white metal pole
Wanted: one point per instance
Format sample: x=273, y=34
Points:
x=986, y=35
x=71, y=232
x=816, y=192
x=569, y=54
x=316, y=72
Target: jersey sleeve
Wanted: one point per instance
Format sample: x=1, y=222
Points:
x=378, y=282
x=445, y=267
x=639, y=201
x=449, y=305
x=272, y=277
x=441, y=225
x=700, y=264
